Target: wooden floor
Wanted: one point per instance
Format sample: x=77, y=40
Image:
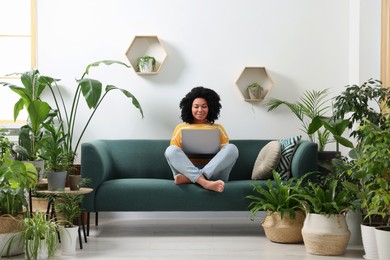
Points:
x=187, y=236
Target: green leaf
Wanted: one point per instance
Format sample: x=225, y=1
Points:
x=38, y=111
x=92, y=91
x=106, y=62
x=129, y=95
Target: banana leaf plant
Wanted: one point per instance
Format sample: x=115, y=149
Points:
x=38, y=111
x=92, y=91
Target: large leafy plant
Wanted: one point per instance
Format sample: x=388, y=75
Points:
x=91, y=90
x=371, y=172
x=16, y=178
x=358, y=103
x=277, y=196
x=327, y=197
x=38, y=111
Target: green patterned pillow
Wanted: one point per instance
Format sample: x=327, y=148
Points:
x=289, y=146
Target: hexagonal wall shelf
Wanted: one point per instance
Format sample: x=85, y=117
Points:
x=146, y=46
x=254, y=75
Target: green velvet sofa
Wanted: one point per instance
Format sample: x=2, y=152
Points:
x=133, y=175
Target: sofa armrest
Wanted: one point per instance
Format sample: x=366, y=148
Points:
x=96, y=165
x=305, y=159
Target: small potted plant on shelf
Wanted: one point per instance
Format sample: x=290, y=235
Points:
x=146, y=64
x=40, y=236
x=68, y=208
x=255, y=91
x=284, y=216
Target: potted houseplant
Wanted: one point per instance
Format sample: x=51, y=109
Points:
x=90, y=89
x=40, y=236
x=284, y=217
x=325, y=231
x=55, y=156
x=372, y=174
x=16, y=178
x=146, y=64
x=68, y=207
x=37, y=110
x=254, y=90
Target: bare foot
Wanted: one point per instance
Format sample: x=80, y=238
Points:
x=181, y=179
x=217, y=186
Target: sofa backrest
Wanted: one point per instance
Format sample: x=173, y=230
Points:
x=145, y=158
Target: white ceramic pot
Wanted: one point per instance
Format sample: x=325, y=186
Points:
x=68, y=239
x=369, y=242
x=11, y=244
x=382, y=235
x=325, y=235
x=42, y=253
x=354, y=220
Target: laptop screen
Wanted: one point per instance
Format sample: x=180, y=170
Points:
x=200, y=143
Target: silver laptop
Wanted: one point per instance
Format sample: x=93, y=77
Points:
x=200, y=143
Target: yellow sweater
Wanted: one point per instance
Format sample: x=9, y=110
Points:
x=176, y=136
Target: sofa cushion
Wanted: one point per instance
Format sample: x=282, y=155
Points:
x=288, y=146
x=267, y=160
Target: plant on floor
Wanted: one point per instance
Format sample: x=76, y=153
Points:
x=326, y=203
x=281, y=206
x=40, y=236
x=312, y=104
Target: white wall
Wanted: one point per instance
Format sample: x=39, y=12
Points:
x=304, y=44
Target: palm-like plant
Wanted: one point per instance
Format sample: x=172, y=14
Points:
x=311, y=105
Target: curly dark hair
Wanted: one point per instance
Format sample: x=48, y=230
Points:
x=213, y=102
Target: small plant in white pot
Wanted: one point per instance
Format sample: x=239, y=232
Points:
x=146, y=64
x=68, y=207
x=255, y=90
x=325, y=230
x=40, y=236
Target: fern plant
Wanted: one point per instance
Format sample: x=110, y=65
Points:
x=277, y=196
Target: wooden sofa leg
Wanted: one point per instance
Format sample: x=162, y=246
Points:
x=96, y=218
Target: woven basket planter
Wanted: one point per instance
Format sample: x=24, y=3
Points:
x=286, y=230
x=325, y=235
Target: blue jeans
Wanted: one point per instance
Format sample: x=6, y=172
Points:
x=217, y=169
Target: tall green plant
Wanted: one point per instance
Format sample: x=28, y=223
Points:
x=91, y=90
x=311, y=105
x=38, y=111
x=358, y=103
